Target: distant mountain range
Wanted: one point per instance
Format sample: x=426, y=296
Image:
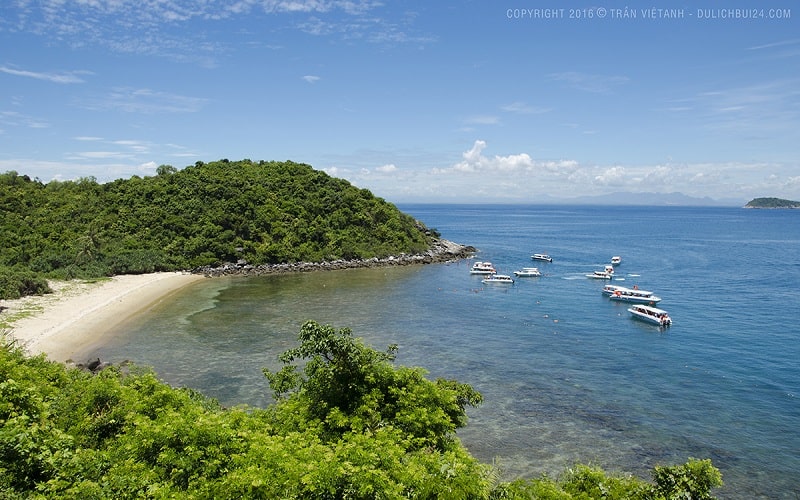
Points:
x=649, y=199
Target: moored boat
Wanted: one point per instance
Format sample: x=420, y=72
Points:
x=649, y=314
x=482, y=268
x=616, y=260
x=527, y=272
x=498, y=278
x=542, y=256
x=631, y=295
x=606, y=274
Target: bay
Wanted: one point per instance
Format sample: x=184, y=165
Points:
x=567, y=375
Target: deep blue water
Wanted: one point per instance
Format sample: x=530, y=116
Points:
x=566, y=374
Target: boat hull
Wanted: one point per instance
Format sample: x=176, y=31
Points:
x=499, y=279
x=482, y=268
x=528, y=273
x=651, y=315
x=628, y=299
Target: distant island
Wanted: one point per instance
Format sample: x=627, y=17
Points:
x=772, y=203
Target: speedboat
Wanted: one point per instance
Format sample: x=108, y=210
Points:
x=616, y=260
x=606, y=274
x=498, y=278
x=652, y=315
x=482, y=268
x=542, y=256
x=632, y=295
x=527, y=272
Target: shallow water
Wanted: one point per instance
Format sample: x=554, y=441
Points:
x=566, y=374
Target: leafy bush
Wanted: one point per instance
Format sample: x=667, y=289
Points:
x=66, y=433
x=15, y=284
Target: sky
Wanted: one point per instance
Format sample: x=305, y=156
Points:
x=418, y=101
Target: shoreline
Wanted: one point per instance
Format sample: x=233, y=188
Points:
x=79, y=313
x=440, y=251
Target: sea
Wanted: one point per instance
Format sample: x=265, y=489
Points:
x=567, y=375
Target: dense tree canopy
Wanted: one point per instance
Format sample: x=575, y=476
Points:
x=772, y=203
x=349, y=425
x=205, y=214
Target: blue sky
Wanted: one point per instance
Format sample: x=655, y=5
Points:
x=496, y=101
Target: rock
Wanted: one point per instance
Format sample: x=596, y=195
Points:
x=440, y=251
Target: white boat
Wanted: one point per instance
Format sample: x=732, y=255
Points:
x=616, y=260
x=527, y=272
x=606, y=274
x=482, y=268
x=498, y=278
x=542, y=256
x=631, y=295
x=652, y=315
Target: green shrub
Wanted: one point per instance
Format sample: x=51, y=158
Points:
x=15, y=284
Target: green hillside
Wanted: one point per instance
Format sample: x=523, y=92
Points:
x=772, y=203
x=204, y=214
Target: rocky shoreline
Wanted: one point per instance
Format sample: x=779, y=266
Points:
x=440, y=251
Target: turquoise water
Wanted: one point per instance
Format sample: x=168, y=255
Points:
x=566, y=374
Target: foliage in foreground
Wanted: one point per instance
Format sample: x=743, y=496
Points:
x=348, y=425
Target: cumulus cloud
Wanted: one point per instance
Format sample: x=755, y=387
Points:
x=613, y=175
x=387, y=169
x=475, y=161
x=522, y=165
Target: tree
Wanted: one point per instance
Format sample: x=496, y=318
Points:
x=693, y=480
x=350, y=387
x=122, y=433
x=164, y=170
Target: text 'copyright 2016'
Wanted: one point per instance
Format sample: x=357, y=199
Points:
x=648, y=14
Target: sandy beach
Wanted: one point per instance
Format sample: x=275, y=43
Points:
x=79, y=313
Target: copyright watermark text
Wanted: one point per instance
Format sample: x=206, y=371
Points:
x=648, y=14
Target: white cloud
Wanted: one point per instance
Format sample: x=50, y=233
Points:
x=69, y=77
x=311, y=78
x=524, y=109
x=520, y=178
x=475, y=161
x=150, y=27
x=16, y=119
x=147, y=101
x=333, y=171
x=387, y=169
x=613, y=175
x=99, y=154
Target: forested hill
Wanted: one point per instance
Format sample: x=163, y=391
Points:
x=204, y=214
x=772, y=203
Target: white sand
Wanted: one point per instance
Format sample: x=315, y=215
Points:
x=79, y=313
